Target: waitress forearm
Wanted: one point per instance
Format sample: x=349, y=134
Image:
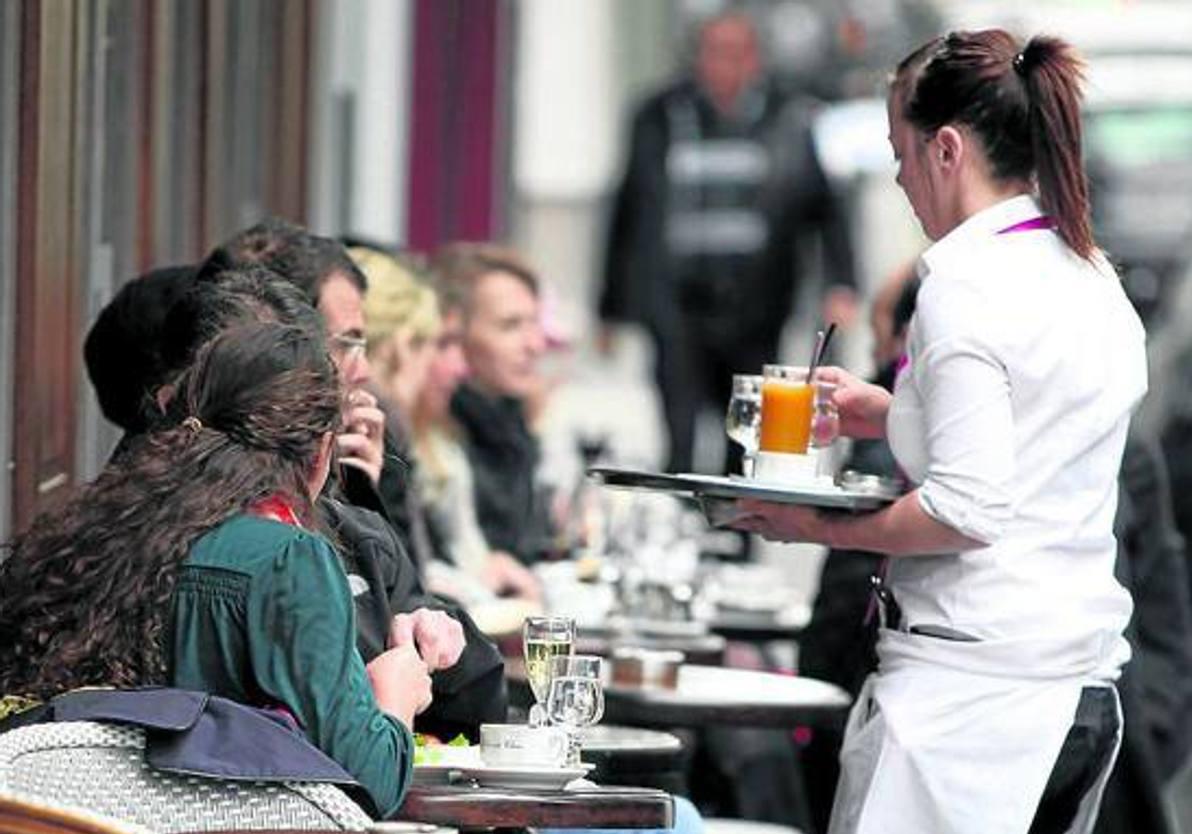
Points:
x=902, y=529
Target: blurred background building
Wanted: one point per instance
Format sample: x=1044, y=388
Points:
x=137, y=133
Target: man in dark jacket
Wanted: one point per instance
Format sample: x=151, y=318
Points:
x=721, y=187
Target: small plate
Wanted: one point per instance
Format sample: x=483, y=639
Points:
x=539, y=778
x=440, y=761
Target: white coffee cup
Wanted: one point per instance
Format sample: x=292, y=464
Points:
x=519, y=745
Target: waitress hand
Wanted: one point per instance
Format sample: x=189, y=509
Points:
x=780, y=522
x=862, y=405
x=401, y=683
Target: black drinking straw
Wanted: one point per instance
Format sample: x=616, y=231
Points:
x=821, y=346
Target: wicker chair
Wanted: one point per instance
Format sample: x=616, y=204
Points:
x=101, y=768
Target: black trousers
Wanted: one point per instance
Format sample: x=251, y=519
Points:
x=1085, y=753
x=693, y=369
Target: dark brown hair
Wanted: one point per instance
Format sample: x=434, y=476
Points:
x=457, y=268
x=296, y=254
x=85, y=594
x=1023, y=103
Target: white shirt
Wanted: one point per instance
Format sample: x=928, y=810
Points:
x=1025, y=365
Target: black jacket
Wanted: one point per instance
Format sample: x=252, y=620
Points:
x=417, y=528
x=646, y=281
x=503, y=453
x=468, y=694
x=1152, y=565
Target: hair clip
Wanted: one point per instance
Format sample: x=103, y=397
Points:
x=194, y=424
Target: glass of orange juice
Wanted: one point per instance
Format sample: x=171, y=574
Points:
x=788, y=404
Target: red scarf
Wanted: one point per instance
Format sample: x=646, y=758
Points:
x=277, y=508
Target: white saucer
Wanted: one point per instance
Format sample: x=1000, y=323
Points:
x=541, y=778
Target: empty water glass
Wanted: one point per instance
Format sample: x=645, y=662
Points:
x=576, y=697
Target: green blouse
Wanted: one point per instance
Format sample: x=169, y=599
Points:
x=263, y=615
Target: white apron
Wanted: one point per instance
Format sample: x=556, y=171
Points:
x=935, y=744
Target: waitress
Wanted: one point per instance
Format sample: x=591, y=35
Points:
x=993, y=708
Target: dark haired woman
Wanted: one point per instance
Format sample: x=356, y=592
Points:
x=993, y=709
x=194, y=561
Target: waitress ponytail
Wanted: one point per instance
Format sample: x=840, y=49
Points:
x=1023, y=104
x=1053, y=73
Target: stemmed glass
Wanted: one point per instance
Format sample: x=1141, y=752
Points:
x=544, y=638
x=744, y=418
x=576, y=698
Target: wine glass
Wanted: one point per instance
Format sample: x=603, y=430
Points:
x=576, y=698
x=744, y=418
x=544, y=638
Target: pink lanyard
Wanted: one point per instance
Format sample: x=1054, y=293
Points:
x=1034, y=223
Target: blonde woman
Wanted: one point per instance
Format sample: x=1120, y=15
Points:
x=401, y=324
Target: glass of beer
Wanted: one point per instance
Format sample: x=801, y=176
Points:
x=788, y=403
x=544, y=638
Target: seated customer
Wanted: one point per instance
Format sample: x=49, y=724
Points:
x=502, y=341
x=196, y=561
x=118, y=350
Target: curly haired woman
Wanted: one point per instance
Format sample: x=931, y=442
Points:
x=195, y=561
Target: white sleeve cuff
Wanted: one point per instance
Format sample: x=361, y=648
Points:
x=981, y=518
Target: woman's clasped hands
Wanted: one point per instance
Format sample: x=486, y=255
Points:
x=400, y=682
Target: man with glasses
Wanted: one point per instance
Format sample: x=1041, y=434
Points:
x=321, y=269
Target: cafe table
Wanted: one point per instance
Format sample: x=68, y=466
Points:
x=714, y=695
x=635, y=756
x=693, y=639
x=785, y=624
x=468, y=807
